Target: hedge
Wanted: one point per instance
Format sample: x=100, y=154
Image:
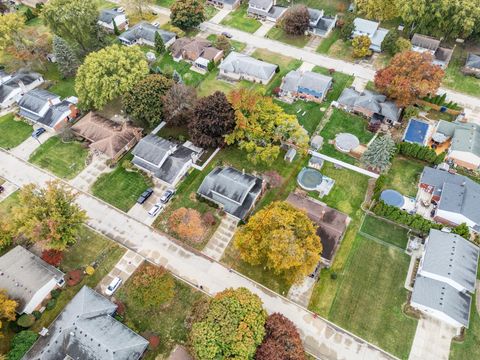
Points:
x=421, y=152
x=21, y=343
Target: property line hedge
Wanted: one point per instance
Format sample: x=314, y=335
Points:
x=420, y=152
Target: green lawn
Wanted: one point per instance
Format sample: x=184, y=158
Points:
x=210, y=11
x=164, y=3
x=168, y=65
x=236, y=45
x=212, y=84
x=385, y=231
x=327, y=42
x=341, y=50
x=468, y=349
x=103, y=4
x=167, y=321
x=13, y=132
x=404, y=174
x=343, y=122
x=370, y=297
x=313, y=113
x=454, y=79
x=340, y=82
x=277, y=33
x=63, y=87
x=331, y=7
x=7, y=204
x=120, y=188
x=239, y=19
x=65, y=160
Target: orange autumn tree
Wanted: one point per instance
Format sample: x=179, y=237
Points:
x=409, y=76
x=187, y=224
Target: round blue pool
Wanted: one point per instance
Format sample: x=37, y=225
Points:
x=309, y=179
x=392, y=198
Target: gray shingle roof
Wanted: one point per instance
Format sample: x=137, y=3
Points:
x=11, y=85
x=262, y=4
x=153, y=149
x=442, y=297
x=85, y=329
x=308, y=80
x=236, y=191
x=315, y=15
x=451, y=256
x=425, y=42
x=457, y=193
x=108, y=15
x=246, y=65
x=55, y=113
x=465, y=136
x=22, y=274
x=36, y=99
x=365, y=27
x=146, y=31
x=473, y=61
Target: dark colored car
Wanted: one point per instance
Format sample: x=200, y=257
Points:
x=145, y=195
x=2, y=189
x=38, y=132
x=167, y=195
x=227, y=35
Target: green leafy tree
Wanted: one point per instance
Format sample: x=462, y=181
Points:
x=290, y=247
x=159, y=44
x=48, y=216
x=462, y=230
x=403, y=44
x=21, y=343
x=223, y=43
x=6, y=234
x=187, y=14
x=379, y=153
x=11, y=24
x=389, y=43
x=361, y=46
x=73, y=20
x=109, y=73
x=347, y=27
x=441, y=18
x=262, y=126
x=144, y=102
x=67, y=60
x=378, y=9
x=231, y=327
x=29, y=15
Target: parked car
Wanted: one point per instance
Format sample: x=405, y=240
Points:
x=167, y=195
x=121, y=9
x=113, y=286
x=145, y=195
x=2, y=189
x=155, y=209
x=36, y=133
x=156, y=24
x=227, y=35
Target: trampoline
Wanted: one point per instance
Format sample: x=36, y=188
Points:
x=392, y=198
x=416, y=132
x=309, y=179
x=346, y=142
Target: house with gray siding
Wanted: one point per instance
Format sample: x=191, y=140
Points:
x=109, y=17
x=238, y=66
x=143, y=33
x=371, y=29
x=305, y=85
x=320, y=24
x=265, y=10
x=12, y=87
x=423, y=43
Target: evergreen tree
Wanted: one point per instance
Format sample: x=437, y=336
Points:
x=379, y=153
x=159, y=44
x=177, y=77
x=115, y=28
x=67, y=60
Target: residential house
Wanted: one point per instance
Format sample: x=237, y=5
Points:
x=109, y=17
x=106, y=136
x=320, y=24
x=464, y=141
x=166, y=160
x=456, y=197
x=472, y=65
x=27, y=278
x=331, y=224
x=12, y=87
x=446, y=278
x=225, y=4
x=373, y=30
x=233, y=190
x=305, y=85
x=423, y=43
x=265, y=10
x=374, y=106
x=47, y=109
x=143, y=33
x=199, y=52
x=238, y=66
x=87, y=329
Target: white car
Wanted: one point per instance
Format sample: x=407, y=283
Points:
x=155, y=209
x=121, y=9
x=156, y=24
x=113, y=286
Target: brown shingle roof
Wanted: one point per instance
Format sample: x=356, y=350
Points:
x=105, y=135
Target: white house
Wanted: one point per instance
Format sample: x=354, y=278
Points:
x=167, y=161
x=371, y=29
x=144, y=34
x=265, y=10
x=319, y=23
x=238, y=66
x=12, y=87
x=108, y=17
x=225, y=4
x=446, y=278
x=27, y=278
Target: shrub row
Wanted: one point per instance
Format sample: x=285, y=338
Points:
x=420, y=152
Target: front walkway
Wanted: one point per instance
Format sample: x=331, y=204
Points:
x=301, y=293
x=85, y=179
x=359, y=83
x=432, y=340
x=217, y=19
x=221, y=238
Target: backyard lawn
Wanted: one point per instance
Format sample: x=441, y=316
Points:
x=168, y=65
x=370, y=297
x=120, y=188
x=385, y=231
x=340, y=82
x=63, y=87
x=64, y=159
x=331, y=7
x=239, y=19
x=13, y=132
x=403, y=175
x=167, y=321
x=454, y=79
x=309, y=114
x=212, y=84
x=277, y=33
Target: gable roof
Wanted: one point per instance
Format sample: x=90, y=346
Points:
x=464, y=136
x=153, y=149
x=105, y=135
x=36, y=99
x=314, y=15
x=443, y=298
x=14, y=83
x=85, y=329
x=451, y=256
x=108, y=15
x=473, y=61
x=22, y=274
x=297, y=80
x=262, y=4
x=236, y=191
x=425, y=42
x=243, y=64
x=365, y=27
x=146, y=31
x=193, y=49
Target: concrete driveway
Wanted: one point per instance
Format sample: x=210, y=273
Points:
x=264, y=29
x=26, y=148
x=217, y=19
x=432, y=340
x=140, y=211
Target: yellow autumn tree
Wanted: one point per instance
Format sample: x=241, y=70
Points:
x=7, y=307
x=283, y=239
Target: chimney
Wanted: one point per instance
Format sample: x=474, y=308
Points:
x=50, y=102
